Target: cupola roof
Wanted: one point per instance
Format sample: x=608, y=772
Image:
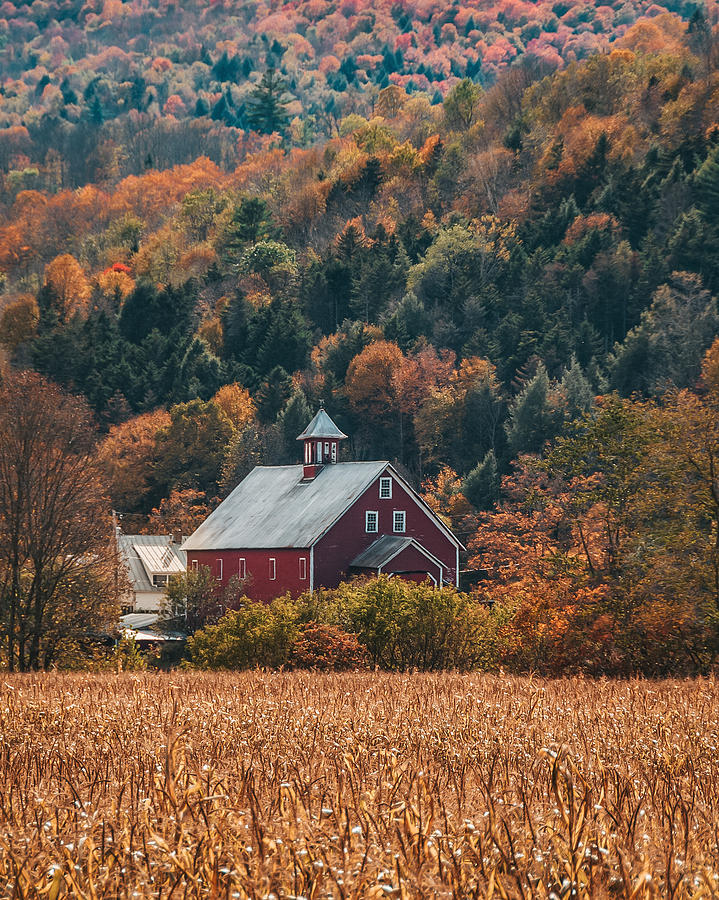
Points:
x=322, y=428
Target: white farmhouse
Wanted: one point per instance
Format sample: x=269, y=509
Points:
x=150, y=560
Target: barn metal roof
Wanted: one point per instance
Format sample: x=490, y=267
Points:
x=140, y=551
x=139, y=620
x=321, y=427
x=274, y=507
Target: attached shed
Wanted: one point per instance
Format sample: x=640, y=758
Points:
x=404, y=556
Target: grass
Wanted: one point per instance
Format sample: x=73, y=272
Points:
x=366, y=785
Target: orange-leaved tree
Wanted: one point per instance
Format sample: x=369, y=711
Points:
x=19, y=321
x=237, y=404
x=70, y=289
x=128, y=456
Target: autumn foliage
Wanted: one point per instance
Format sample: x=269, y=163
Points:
x=478, y=234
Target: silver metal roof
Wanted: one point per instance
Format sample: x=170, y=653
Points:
x=139, y=626
x=321, y=427
x=161, y=560
x=151, y=546
x=273, y=507
x=139, y=620
x=382, y=551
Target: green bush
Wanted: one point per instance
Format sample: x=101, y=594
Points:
x=407, y=625
x=256, y=634
x=386, y=622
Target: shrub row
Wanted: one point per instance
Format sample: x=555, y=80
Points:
x=382, y=622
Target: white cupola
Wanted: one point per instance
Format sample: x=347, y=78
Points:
x=321, y=439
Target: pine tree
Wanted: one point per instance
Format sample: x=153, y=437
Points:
x=534, y=417
x=267, y=104
x=578, y=393
x=273, y=394
x=481, y=486
x=291, y=421
x=707, y=186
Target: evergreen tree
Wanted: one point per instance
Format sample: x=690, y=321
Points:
x=577, y=391
x=273, y=394
x=707, y=187
x=251, y=221
x=481, y=486
x=267, y=105
x=534, y=416
x=665, y=350
x=245, y=451
x=291, y=421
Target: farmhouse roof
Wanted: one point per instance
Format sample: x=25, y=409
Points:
x=322, y=427
x=145, y=554
x=274, y=507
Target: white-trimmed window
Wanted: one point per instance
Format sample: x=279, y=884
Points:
x=385, y=489
x=195, y=565
x=219, y=569
x=399, y=518
x=371, y=521
x=303, y=568
x=242, y=567
x=273, y=568
x=334, y=451
x=160, y=580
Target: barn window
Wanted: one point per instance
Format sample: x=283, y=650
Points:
x=159, y=580
x=370, y=521
x=303, y=568
x=242, y=569
x=219, y=570
x=385, y=488
x=195, y=565
x=399, y=520
x=334, y=451
x=273, y=568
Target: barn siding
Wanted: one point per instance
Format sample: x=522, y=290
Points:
x=347, y=538
x=411, y=560
x=260, y=586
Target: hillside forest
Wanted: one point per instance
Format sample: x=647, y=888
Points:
x=485, y=236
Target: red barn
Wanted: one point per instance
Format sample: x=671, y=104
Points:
x=298, y=528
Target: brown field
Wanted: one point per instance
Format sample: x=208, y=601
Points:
x=261, y=785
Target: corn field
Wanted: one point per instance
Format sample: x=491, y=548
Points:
x=360, y=785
